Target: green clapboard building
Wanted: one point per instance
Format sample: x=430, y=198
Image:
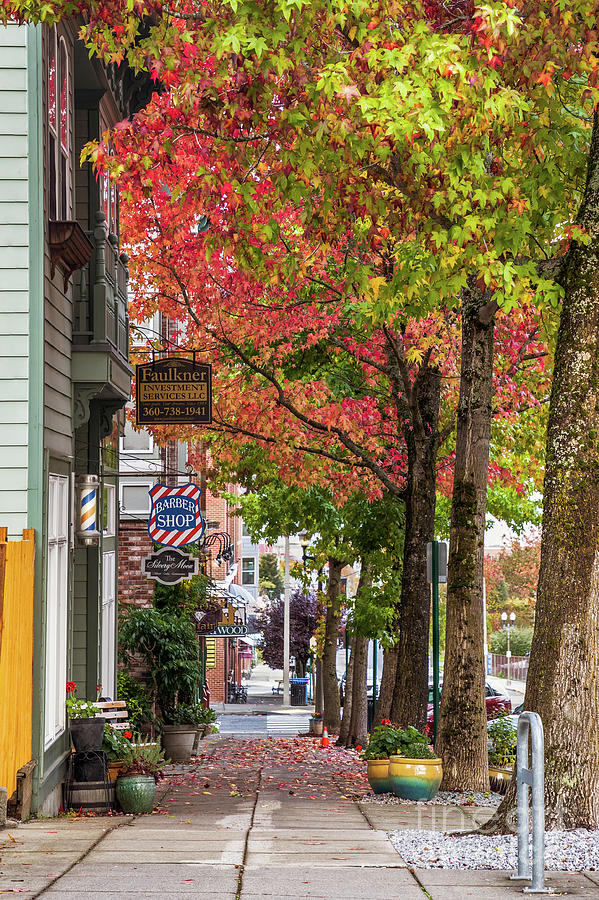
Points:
x=64, y=371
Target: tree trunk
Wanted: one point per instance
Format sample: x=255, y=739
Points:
x=563, y=678
x=358, y=725
x=462, y=736
x=410, y=697
x=331, y=712
x=318, y=692
x=383, y=705
x=347, y=698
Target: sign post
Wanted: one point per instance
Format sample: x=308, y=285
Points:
x=436, y=571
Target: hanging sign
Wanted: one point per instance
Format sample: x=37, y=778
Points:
x=169, y=566
x=173, y=391
x=220, y=621
x=175, y=517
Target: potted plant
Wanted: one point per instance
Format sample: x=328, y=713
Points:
x=316, y=724
x=116, y=745
x=502, y=753
x=179, y=731
x=414, y=771
x=137, y=778
x=384, y=741
x=85, y=725
x=206, y=724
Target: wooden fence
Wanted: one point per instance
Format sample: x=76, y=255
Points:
x=16, y=654
x=497, y=665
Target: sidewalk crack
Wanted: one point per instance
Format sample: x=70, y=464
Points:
x=247, y=838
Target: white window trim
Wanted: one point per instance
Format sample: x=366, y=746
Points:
x=109, y=527
x=243, y=573
x=57, y=604
x=138, y=483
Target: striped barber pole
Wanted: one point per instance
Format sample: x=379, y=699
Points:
x=88, y=509
x=175, y=517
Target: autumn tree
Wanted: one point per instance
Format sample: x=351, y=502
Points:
x=302, y=622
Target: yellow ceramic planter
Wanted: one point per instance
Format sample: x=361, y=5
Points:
x=499, y=778
x=415, y=779
x=378, y=775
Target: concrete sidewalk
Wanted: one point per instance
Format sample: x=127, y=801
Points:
x=253, y=820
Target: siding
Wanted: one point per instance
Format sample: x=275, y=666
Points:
x=58, y=318
x=14, y=279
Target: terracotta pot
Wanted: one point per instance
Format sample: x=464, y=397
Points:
x=378, y=775
x=113, y=769
x=177, y=741
x=316, y=726
x=415, y=779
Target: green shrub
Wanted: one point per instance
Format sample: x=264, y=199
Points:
x=520, y=641
x=135, y=695
x=502, y=743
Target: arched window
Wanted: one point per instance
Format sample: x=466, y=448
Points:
x=59, y=128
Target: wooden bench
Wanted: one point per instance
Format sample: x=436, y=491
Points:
x=115, y=713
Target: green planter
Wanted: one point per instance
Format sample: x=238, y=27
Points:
x=415, y=779
x=136, y=793
x=378, y=775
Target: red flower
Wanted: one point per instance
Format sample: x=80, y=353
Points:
x=71, y=687
x=358, y=748
x=385, y=721
x=128, y=735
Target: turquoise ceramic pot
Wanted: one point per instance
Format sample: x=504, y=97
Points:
x=136, y=793
x=415, y=779
x=378, y=776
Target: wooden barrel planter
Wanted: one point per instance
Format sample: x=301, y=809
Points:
x=90, y=795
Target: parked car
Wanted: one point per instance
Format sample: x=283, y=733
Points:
x=498, y=704
x=368, y=686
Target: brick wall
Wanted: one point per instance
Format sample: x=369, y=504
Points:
x=134, y=544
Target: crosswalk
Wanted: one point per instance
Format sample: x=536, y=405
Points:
x=287, y=724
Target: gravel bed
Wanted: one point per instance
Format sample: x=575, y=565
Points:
x=567, y=851
x=441, y=798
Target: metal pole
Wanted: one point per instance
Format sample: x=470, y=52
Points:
x=435, y=562
x=286, y=627
x=530, y=723
x=374, y=676
x=509, y=657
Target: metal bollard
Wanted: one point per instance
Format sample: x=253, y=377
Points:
x=530, y=723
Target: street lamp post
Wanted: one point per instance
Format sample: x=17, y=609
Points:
x=509, y=624
x=286, y=698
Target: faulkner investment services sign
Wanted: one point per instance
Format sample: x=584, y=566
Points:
x=174, y=391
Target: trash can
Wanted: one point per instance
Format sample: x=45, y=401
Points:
x=299, y=691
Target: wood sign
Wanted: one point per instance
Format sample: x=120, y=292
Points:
x=220, y=621
x=169, y=566
x=174, y=391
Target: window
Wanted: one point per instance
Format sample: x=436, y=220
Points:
x=248, y=570
x=244, y=531
x=108, y=623
x=137, y=441
x=108, y=511
x=135, y=498
x=56, y=606
x=59, y=126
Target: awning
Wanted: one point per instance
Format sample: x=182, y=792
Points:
x=236, y=590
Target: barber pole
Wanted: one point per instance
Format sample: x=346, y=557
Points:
x=88, y=506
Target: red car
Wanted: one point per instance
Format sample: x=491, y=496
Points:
x=498, y=704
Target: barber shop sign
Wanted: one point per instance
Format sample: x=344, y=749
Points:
x=175, y=517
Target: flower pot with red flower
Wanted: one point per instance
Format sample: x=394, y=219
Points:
x=415, y=772
x=116, y=745
x=383, y=742
x=85, y=725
